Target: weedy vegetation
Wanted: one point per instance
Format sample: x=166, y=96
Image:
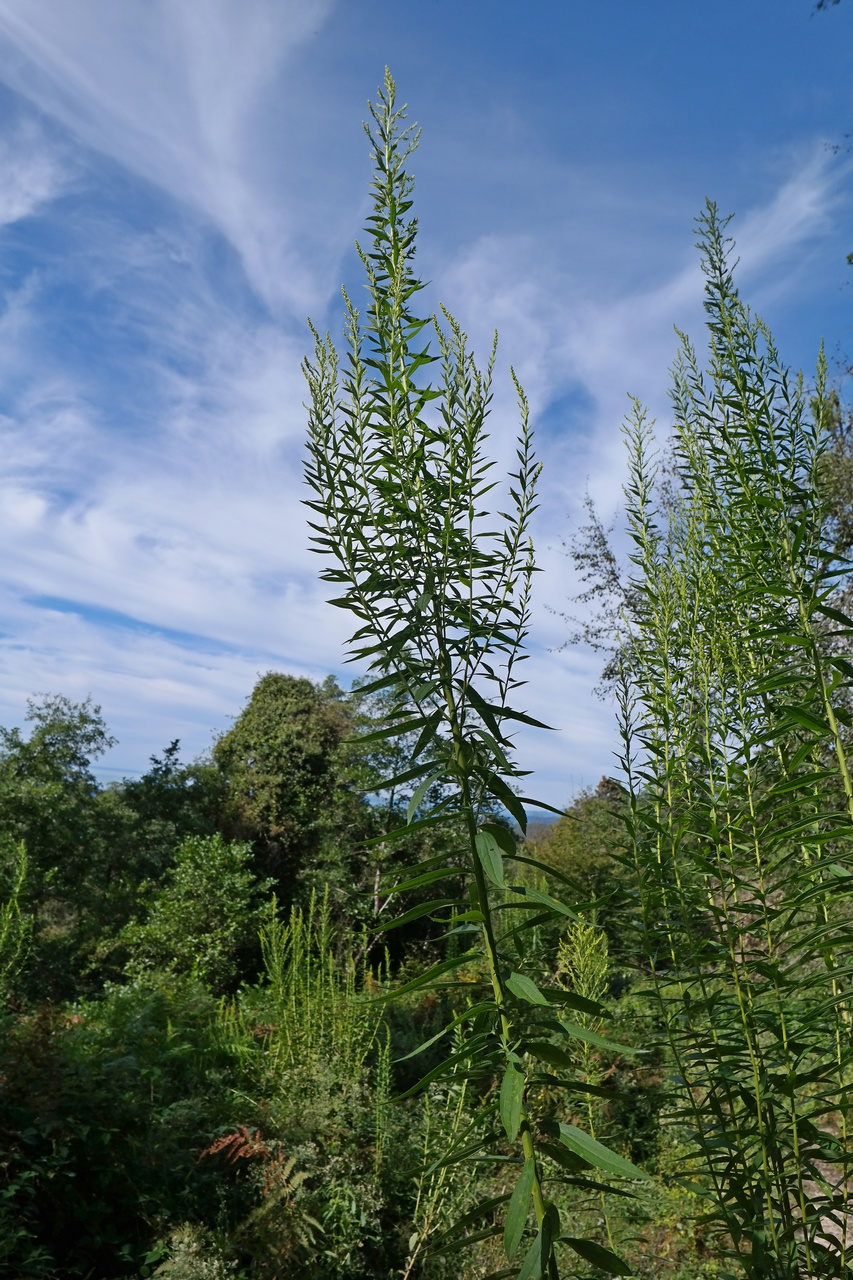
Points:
x=322, y=1004
x=439, y=584
x=736, y=693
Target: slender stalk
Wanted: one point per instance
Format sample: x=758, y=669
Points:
x=439, y=587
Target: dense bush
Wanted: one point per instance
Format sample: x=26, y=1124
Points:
x=104, y=1107
x=205, y=917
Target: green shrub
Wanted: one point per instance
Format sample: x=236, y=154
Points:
x=104, y=1109
x=205, y=917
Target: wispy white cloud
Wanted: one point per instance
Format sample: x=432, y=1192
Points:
x=175, y=91
x=808, y=200
x=579, y=335
x=31, y=172
x=197, y=527
x=153, y=686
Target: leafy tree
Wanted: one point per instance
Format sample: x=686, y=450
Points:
x=49, y=803
x=15, y=925
x=90, y=849
x=580, y=844
x=48, y=791
x=208, y=911
x=103, y=1111
x=169, y=802
x=287, y=791
x=837, y=469
x=587, y=846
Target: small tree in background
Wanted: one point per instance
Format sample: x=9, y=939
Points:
x=207, y=912
x=287, y=789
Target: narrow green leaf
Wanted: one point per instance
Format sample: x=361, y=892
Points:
x=408, y=775
x=805, y=717
x=540, y=804
x=428, y=877
x=543, y=899
x=536, y=1259
x=566, y=1159
x=503, y=837
x=456, y=1245
x=591, y=1037
x=597, y=1154
x=842, y=664
x=391, y=731
x=435, y=971
x=420, y=792
x=471, y=1049
x=404, y=832
x=507, y=797
x=599, y=1256
x=485, y=1007
x=490, y=857
x=486, y=712
x=547, y=1052
x=512, y=1096
x=524, y=988
x=423, y=909
x=549, y=871
x=465, y=917
x=519, y=1205
x=574, y=1001
x=422, y=691
x=508, y=714
x=427, y=733
x=532, y=1268
x=386, y=682
x=479, y=1211
x=459, y=1149
x=836, y=615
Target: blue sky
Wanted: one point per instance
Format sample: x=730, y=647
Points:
x=182, y=183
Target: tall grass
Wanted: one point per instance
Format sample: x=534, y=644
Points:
x=321, y=1014
x=315, y=1018
x=315, y=1080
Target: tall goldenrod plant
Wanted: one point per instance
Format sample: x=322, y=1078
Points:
x=440, y=586
x=741, y=798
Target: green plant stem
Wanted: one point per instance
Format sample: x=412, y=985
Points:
x=490, y=944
